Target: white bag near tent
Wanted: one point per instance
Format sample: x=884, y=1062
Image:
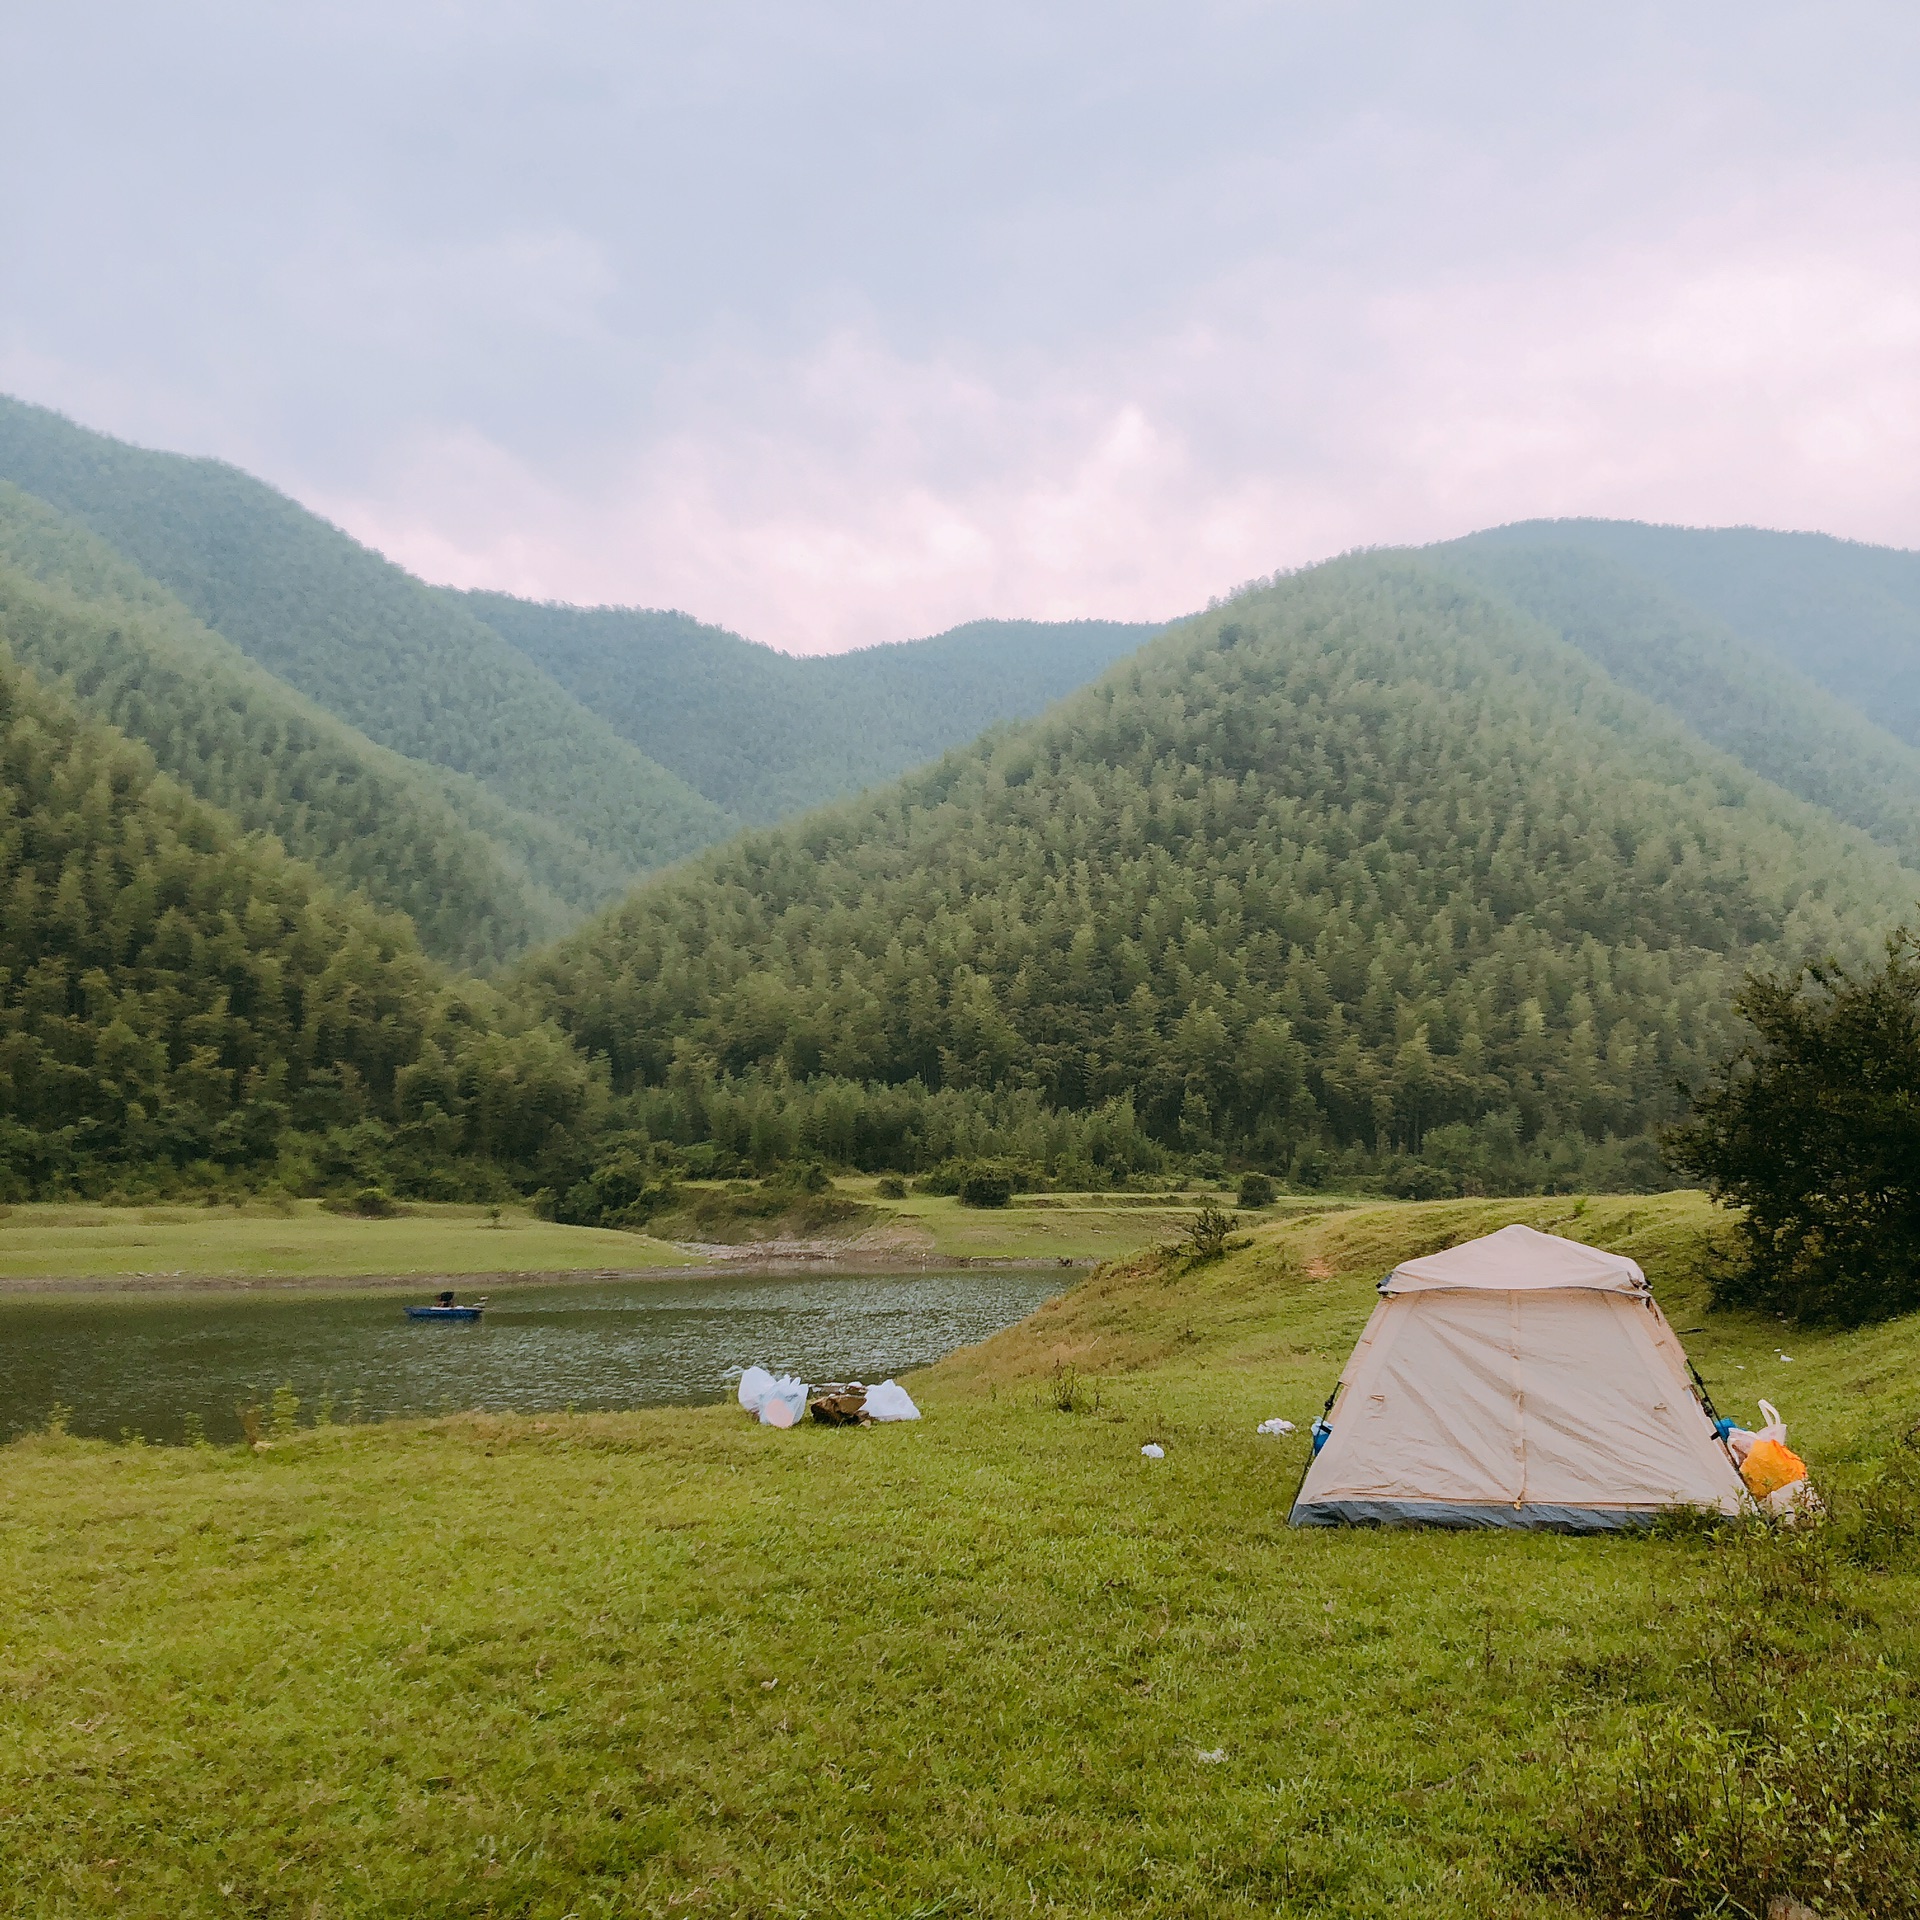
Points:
x=890, y=1401
x=755, y=1384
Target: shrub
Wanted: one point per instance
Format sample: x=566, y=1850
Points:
x=1256, y=1190
x=1418, y=1181
x=1207, y=1233
x=891, y=1187
x=1811, y=1129
x=1697, y=1818
x=986, y=1187
x=370, y=1203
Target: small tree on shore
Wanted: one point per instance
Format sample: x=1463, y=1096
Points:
x=1813, y=1128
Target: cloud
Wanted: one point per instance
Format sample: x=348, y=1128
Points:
x=854, y=494
x=846, y=323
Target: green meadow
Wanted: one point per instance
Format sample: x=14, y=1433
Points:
x=301, y=1240
x=994, y=1663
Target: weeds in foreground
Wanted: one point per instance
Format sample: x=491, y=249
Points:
x=1791, y=1776
x=1817, y=1806
x=1066, y=1392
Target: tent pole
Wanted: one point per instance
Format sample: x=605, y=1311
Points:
x=1307, y=1466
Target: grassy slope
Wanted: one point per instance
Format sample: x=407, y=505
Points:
x=765, y=734
x=652, y=1662
x=368, y=642
x=301, y=1241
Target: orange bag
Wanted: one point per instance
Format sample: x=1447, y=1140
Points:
x=1769, y=1466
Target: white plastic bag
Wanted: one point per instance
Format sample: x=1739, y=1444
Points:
x=755, y=1384
x=889, y=1401
x=786, y=1402
x=1274, y=1426
x=779, y=1400
x=1152, y=1452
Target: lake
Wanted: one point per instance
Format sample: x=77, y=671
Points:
x=126, y=1364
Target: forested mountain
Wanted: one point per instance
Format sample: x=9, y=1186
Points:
x=766, y=734
x=1844, y=614
x=1363, y=863
x=370, y=644
x=172, y=995
x=1437, y=868
x=1731, y=688
x=430, y=844
x=579, y=747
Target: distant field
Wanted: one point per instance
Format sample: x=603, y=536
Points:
x=993, y=1664
x=154, y=1244
x=150, y=1245
x=1063, y=1226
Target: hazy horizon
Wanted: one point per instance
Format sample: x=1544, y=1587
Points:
x=840, y=328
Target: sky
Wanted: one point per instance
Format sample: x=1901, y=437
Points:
x=837, y=322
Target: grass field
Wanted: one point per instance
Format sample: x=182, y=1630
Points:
x=1066, y=1226
x=301, y=1240
x=995, y=1663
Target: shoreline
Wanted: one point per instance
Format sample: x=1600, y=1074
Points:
x=783, y=1259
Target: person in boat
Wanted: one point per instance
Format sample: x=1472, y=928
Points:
x=444, y=1299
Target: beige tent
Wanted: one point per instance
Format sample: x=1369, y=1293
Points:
x=1521, y=1380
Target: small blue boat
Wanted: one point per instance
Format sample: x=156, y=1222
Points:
x=445, y=1309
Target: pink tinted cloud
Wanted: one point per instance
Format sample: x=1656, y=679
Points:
x=1736, y=373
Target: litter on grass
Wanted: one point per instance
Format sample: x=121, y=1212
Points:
x=779, y=1399
x=1151, y=1452
x=1274, y=1426
x=783, y=1400
x=889, y=1401
x=1774, y=1474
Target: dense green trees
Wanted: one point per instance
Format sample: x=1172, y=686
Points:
x=1441, y=869
x=1359, y=863
x=173, y=996
x=400, y=832
x=1813, y=1130
x=1734, y=690
x=765, y=734
x=1838, y=613
x=370, y=644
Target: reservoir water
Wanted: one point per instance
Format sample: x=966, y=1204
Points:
x=128, y=1364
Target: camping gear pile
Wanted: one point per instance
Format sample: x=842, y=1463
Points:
x=1775, y=1475
x=783, y=1400
x=1523, y=1380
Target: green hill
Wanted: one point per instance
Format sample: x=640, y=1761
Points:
x=1844, y=614
x=765, y=734
x=370, y=644
x=430, y=844
x=1733, y=689
x=174, y=996
x=1365, y=864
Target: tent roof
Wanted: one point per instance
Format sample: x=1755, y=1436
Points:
x=1517, y=1259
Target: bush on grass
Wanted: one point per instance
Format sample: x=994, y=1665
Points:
x=986, y=1187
